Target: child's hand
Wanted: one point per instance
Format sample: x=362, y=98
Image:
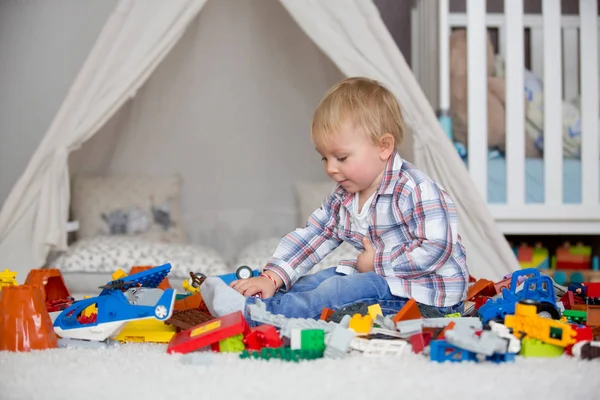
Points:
x=258, y=285
x=365, y=261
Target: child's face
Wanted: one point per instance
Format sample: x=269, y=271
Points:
x=352, y=159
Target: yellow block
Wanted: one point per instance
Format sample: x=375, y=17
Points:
x=7, y=278
x=361, y=323
x=118, y=274
x=375, y=310
x=146, y=330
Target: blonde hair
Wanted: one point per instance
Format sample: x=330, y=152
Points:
x=366, y=102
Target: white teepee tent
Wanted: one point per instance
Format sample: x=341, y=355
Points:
x=138, y=37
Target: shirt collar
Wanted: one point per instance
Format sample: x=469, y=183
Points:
x=387, y=185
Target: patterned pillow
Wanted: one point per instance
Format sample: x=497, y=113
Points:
x=258, y=254
x=137, y=206
x=108, y=253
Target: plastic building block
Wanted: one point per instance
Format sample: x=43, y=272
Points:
x=326, y=313
x=361, y=324
x=209, y=334
x=115, y=309
x=259, y=313
x=262, y=336
x=358, y=308
x=575, y=316
x=536, y=288
x=593, y=290
x=526, y=322
x=149, y=278
x=338, y=342
x=146, y=330
x=385, y=322
x=453, y=315
x=282, y=353
x=482, y=287
x=448, y=327
x=54, y=291
x=379, y=347
x=587, y=350
x=232, y=344
x=514, y=344
x=503, y=284
x=24, y=321
x=533, y=257
x=472, y=322
x=118, y=274
x=8, y=278
x=185, y=319
x=374, y=311
x=419, y=341
x=193, y=301
x=487, y=343
x=408, y=312
x=307, y=339
x=593, y=315
x=164, y=284
x=535, y=348
x=410, y=327
x=440, y=351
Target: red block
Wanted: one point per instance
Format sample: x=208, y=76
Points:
x=208, y=333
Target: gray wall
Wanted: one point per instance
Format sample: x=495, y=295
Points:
x=42, y=46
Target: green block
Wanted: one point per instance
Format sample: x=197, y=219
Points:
x=536, y=348
x=282, y=353
x=312, y=339
x=454, y=315
x=232, y=344
x=575, y=316
x=581, y=250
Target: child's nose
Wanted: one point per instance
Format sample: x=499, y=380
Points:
x=331, y=168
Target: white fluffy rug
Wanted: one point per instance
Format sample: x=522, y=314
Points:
x=144, y=371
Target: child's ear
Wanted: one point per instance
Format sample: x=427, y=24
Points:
x=386, y=146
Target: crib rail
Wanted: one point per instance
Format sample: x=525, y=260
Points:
x=567, y=70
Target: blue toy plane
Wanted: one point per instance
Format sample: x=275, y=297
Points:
x=118, y=303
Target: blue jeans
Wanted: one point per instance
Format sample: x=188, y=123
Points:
x=330, y=289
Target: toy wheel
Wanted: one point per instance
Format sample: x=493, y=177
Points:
x=547, y=310
x=160, y=312
x=244, y=272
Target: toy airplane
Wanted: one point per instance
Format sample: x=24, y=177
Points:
x=119, y=303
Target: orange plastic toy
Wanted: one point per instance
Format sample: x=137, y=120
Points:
x=165, y=284
x=24, y=322
x=50, y=281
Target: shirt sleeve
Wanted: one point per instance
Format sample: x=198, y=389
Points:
x=432, y=223
x=301, y=249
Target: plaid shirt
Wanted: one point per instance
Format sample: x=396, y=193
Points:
x=414, y=232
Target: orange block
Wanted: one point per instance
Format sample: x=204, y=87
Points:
x=482, y=287
x=448, y=327
x=24, y=322
x=409, y=311
x=165, y=284
x=193, y=301
x=50, y=281
x=326, y=313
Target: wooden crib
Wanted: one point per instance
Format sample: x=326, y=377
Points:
x=563, y=50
